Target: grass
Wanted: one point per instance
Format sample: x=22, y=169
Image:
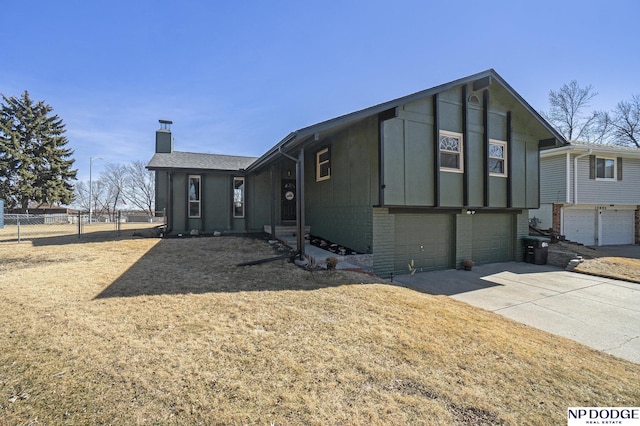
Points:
x=30, y=232
x=148, y=331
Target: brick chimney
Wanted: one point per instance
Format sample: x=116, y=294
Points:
x=164, y=140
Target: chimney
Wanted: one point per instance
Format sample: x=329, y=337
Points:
x=164, y=140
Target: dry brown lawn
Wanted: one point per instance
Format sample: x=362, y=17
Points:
x=149, y=331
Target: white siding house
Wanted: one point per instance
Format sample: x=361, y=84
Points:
x=590, y=193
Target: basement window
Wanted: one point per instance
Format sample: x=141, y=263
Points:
x=323, y=164
x=451, y=152
x=497, y=158
x=194, y=196
x=238, y=197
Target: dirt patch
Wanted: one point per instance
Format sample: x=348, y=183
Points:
x=598, y=262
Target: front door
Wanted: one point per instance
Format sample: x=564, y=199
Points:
x=288, y=199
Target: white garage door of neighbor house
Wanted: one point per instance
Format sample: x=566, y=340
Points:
x=617, y=226
x=580, y=226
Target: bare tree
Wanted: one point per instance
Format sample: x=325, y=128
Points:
x=140, y=188
x=569, y=111
x=114, y=178
x=622, y=125
x=81, y=195
x=131, y=186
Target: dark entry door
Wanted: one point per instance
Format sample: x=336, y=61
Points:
x=288, y=199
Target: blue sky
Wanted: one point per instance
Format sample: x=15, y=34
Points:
x=236, y=77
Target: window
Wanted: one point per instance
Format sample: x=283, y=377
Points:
x=238, y=197
x=605, y=168
x=323, y=164
x=451, y=152
x=497, y=158
x=194, y=196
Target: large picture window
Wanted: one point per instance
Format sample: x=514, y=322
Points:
x=451, y=152
x=238, y=197
x=194, y=196
x=497, y=158
x=323, y=164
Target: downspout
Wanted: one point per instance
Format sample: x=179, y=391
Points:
x=575, y=182
x=575, y=175
x=568, y=196
x=300, y=227
x=169, y=204
x=290, y=157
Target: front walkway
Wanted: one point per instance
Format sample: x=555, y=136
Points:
x=599, y=312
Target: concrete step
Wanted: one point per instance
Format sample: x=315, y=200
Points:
x=286, y=231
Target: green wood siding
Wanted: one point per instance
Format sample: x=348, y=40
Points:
x=497, y=191
x=408, y=152
x=532, y=183
x=216, y=199
x=417, y=154
x=518, y=162
x=215, y=208
x=394, y=167
x=339, y=208
x=179, y=203
x=258, y=200
x=162, y=183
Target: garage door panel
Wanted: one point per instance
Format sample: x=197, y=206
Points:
x=580, y=226
x=492, y=239
x=426, y=239
x=617, y=226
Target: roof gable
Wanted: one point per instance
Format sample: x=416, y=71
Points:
x=593, y=148
x=479, y=81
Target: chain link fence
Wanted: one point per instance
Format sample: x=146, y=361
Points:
x=31, y=227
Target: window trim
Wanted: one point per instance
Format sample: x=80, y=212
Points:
x=319, y=164
x=242, y=201
x=504, y=159
x=460, y=151
x=198, y=196
x=615, y=169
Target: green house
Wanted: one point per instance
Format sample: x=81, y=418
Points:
x=437, y=177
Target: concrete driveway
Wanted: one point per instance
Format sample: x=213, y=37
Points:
x=599, y=312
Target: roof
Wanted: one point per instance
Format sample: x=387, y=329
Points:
x=586, y=147
x=293, y=139
x=192, y=161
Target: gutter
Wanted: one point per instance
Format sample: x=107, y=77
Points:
x=290, y=157
x=269, y=155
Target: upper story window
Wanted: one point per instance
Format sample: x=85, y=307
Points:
x=238, y=197
x=323, y=164
x=194, y=196
x=606, y=168
x=497, y=158
x=451, y=151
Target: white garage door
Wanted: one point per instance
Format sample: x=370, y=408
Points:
x=617, y=226
x=580, y=226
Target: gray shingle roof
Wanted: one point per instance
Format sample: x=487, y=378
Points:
x=191, y=161
x=600, y=146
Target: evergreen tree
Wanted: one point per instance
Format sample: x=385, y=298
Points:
x=35, y=164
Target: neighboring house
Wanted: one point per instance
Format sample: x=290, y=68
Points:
x=436, y=177
x=590, y=193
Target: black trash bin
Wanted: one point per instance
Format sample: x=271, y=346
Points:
x=536, y=249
